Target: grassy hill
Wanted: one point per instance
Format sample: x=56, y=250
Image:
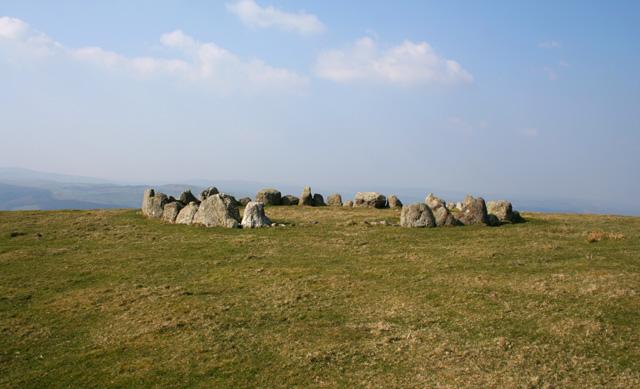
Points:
x=107, y=298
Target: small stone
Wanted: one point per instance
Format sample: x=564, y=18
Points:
x=290, y=200
x=417, y=215
x=269, y=196
x=334, y=200
x=318, y=200
x=254, y=216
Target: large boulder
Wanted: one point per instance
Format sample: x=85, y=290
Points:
x=502, y=209
x=348, y=204
x=244, y=201
x=290, y=200
x=417, y=215
x=444, y=218
x=153, y=203
x=186, y=197
x=370, y=199
x=269, y=196
x=171, y=211
x=210, y=191
x=394, y=202
x=218, y=210
x=254, y=216
x=318, y=200
x=306, y=198
x=334, y=200
x=473, y=211
x=187, y=213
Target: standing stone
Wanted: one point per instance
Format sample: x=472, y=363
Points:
x=210, y=191
x=218, y=210
x=244, y=201
x=269, y=196
x=417, y=215
x=186, y=197
x=370, y=199
x=153, y=203
x=443, y=217
x=187, y=213
x=394, y=202
x=348, y=204
x=254, y=216
x=318, y=200
x=474, y=211
x=290, y=200
x=502, y=209
x=334, y=200
x=171, y=211
x=306, y=198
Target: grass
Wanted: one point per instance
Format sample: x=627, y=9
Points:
x=110, y=299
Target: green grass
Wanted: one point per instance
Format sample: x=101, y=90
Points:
x=108, y=298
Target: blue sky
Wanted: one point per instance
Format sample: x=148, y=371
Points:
x=501, y=97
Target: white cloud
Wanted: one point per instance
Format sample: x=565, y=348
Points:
x=254, y=15
x=406, y=64
x=204, y=63
x=550, y=45
x=12, y=28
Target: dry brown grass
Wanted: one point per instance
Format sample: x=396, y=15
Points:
x=109, y=299
x=597, y=236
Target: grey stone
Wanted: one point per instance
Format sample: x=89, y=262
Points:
x=234, y=201
x=334, y=200
x=417, y=215
x=186, y=197
x=187, y=213
x=370, y=199
x=444, y=218
x=493, y=220
x=517, y=218
x=210, y=191
x=474, y=211
x=318, y=200
x=254, y=216
x=153, y=203
x=171, y=211
x=502, y=209
x=306, y=198
x=290, y=200
x=348, y=204
x=269, y=196
x=244, y=201
x=394, y=202
x=218, y=210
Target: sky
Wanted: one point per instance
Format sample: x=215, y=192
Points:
x=529, y=97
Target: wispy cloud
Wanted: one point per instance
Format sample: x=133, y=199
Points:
x=550, y=45
x=406, y=64
x=254, y=15
x=202, y=62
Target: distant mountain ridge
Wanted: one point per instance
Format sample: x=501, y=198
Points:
x=22, y=189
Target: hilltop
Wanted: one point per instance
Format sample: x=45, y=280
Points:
x=109, y=298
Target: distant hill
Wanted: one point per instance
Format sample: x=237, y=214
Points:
x=14, y=198
x=30, y=189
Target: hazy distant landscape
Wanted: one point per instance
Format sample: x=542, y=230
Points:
x=24, y=189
